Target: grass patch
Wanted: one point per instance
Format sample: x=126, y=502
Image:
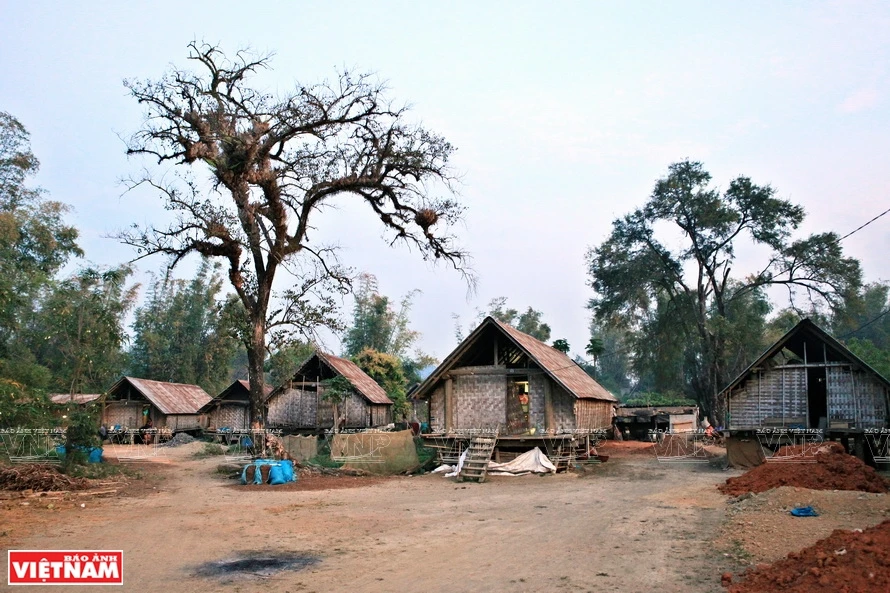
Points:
x=425, y=455
x=323, y=460
x=101, y=471
x=209, y=450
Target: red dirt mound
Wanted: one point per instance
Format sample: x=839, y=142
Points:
x=844, y=562
x=827, y=467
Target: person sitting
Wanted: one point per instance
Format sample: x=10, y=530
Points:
x=146, y=432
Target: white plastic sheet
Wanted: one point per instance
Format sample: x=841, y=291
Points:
x=530, y=462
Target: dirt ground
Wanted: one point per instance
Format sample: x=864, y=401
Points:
x=630, y=524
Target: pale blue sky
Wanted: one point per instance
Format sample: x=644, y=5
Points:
x=564, y=116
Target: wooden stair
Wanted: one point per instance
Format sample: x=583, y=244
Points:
x=475, y=466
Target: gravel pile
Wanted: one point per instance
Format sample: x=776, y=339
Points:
x=180, y=438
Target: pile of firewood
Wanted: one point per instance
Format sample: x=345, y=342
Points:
x=40, y=478
x=275, y=448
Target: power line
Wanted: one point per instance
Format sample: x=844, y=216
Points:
x=856, y=230
x=864, y=325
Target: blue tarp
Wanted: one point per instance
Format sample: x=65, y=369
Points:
x=280, y=472
x=804, y=512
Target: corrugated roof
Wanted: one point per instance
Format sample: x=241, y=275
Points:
x=237, y=393
x=363, y=383
x=267, y=389
x=559, y=367
x=169, y=398
x=78, y=398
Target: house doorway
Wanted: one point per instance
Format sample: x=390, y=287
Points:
x=518, y=404
x=817, y=397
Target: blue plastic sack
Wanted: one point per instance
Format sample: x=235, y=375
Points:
x=804, y=512
x=276, y=474
x=287, y=467
x=95, y=455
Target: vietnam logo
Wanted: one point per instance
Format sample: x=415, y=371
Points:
x=65, y=567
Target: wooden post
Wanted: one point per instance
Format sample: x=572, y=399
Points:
x=549, y=421
x=449, y=404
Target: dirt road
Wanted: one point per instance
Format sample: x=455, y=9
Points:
x=628, y=525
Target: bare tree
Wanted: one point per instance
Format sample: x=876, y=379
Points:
x=274, y=162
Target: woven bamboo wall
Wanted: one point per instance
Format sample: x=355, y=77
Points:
x=775, y=393
x=178, y=421
x=857, y=397
x=231, y=415
x=591, y=414
x=127, y=416
x=295, y=408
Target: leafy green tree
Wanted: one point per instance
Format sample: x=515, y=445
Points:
x=562, y=345
x=78, y=333
x=179, y=334
x=864, y=316
x=679, y=250
x=275, y=162
x=22, y=406
x=377, y=326
x=284, y=362
x=877, y=358
x=610, y=353
x=387, y=371
x=35, y=242
x=336, y=390
x=529, y=322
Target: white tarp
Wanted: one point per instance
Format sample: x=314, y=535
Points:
x=530, y=462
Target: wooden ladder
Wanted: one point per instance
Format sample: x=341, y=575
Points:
x=478, y=455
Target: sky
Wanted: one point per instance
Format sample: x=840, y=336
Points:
x=564, y=116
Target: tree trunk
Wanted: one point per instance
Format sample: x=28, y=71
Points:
x=256, y=357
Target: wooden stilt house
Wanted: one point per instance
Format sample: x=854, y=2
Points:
x=174, y=406
x=500, y=378
x=300, y=404
x=808, y=380
x=231, y=408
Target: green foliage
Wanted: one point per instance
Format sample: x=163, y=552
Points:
x=81, y=434
x=387, y=371
x=529, y=322
x=34, y=240
x=877, y=358
x=284, y=362
x=665, y=275
x=562, y=345
x=377, y=326
x=22, y=407
x=210, y=450
x=425, y=455
x=336, y=389
x=669, y=398
x=78, y=333
x=609, y=351
x=180, y=334
x=101, y=471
